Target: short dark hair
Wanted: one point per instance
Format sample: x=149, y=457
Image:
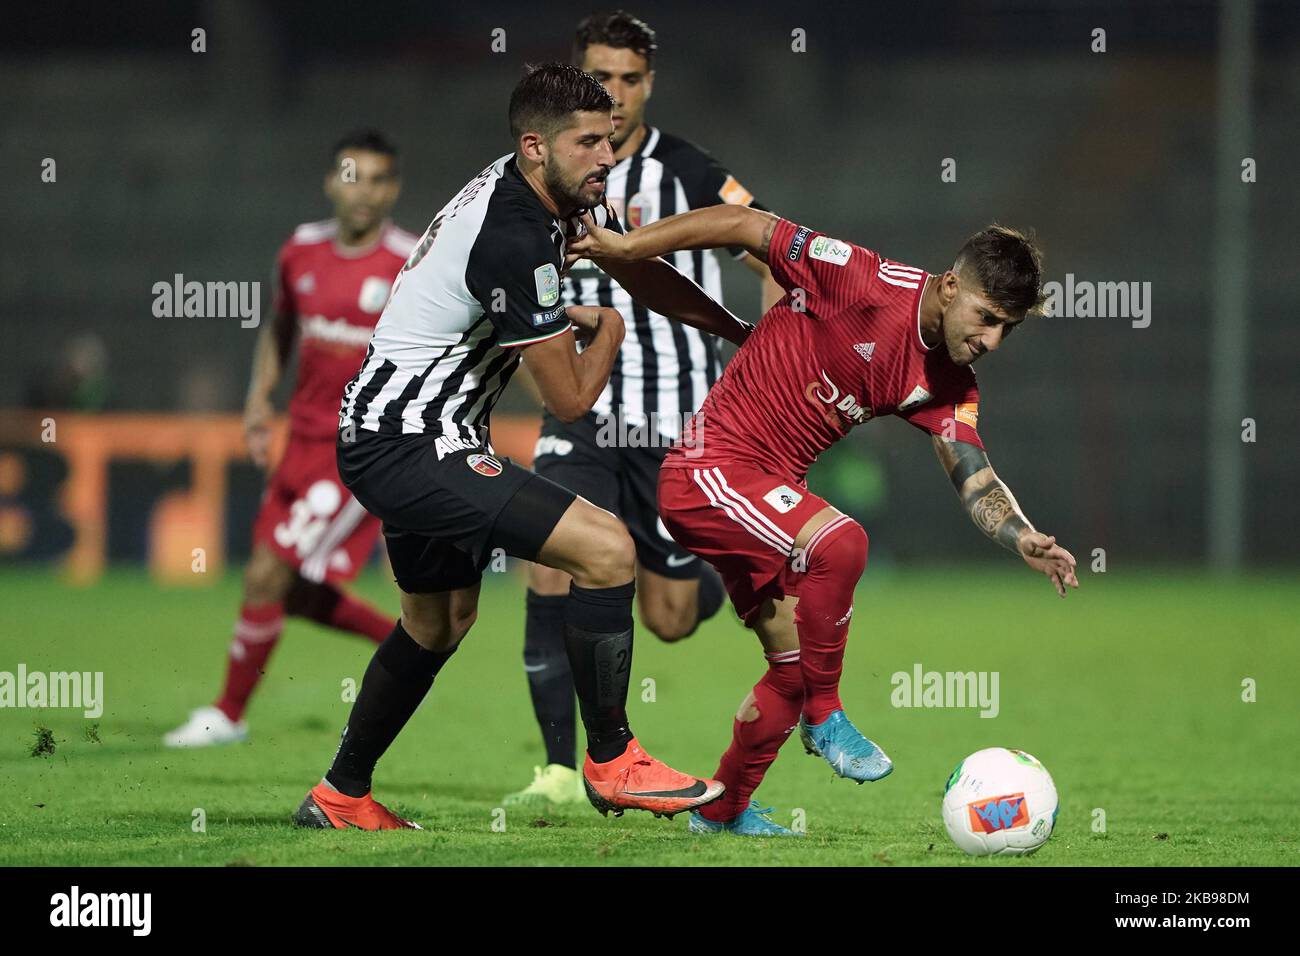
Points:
x=620, y=30
x=544, y=99
x=1008, y=266
x=369, y=140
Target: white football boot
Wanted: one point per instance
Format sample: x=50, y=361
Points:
x=207, y=727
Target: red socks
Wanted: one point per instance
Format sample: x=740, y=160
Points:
x=806, y=680
x=256, y=634
x=764, y=722
x=349, y=614
x=259, y=627
x=836, y=556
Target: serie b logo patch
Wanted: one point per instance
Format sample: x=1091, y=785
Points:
x=485, y=465
x=998, y=813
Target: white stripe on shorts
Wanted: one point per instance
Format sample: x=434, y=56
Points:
x=736, y=515
x=316, y=564
x=737, y=498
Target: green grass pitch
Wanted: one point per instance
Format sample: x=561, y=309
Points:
x=1130, y=692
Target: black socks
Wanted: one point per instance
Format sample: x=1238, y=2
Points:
x=711, y=595
x=598, y=637
x=550, y=680
x=399, y=675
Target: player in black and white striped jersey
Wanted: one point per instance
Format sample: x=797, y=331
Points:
x=612, y=455
x=482, y=288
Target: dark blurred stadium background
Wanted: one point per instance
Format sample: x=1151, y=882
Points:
x=170, y=161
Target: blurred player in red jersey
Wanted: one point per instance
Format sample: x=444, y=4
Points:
x=856, y=336
x=331, y=284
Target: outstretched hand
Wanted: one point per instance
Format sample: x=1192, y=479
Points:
x=596, y=242
x=1043, y=554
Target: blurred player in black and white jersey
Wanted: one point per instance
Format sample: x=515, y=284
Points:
x=481, y=290
x=611, y=456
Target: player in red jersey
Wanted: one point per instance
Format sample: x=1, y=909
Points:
x=856, y=336
x=331, y=284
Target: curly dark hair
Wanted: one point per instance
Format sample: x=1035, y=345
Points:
x=1008, y=265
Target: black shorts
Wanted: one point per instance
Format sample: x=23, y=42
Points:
x=618, y=478
x=443, y=518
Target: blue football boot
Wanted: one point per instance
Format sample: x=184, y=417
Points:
x=842, y=746
x=752, y=821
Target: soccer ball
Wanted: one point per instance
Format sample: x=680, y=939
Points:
x=999, y=802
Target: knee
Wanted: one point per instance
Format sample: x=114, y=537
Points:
x=670, y=622
x=611, y=557
x=438, y=633
x=266, y=579
x=462, y=619
x=839, y=546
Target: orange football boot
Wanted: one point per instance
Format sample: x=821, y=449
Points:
x=637, y=781
x=325, y=808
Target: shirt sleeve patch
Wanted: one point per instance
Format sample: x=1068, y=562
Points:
x=541, y=318
x=968, y=412
x=830, y=250
x=734, y=193
x=547, y=280
x=797, y=243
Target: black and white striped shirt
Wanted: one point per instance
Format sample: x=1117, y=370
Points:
x=664, y=369
x=484, y=278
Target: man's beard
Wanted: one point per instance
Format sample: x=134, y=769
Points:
x=570, y=197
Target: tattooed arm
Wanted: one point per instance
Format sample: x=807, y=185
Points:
x=994, y=510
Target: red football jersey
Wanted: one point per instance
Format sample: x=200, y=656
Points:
x=853, y=353
x=335, y=295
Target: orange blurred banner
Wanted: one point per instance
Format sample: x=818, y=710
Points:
x=90, y=443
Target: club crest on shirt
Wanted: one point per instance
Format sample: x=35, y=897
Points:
x=374, y=294
x=547, y=280
x=830, y=250
x=638, y=211
x=919, y=396
x=306, y=284
x=485, y=465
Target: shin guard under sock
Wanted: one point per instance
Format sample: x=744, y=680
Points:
x=400, y=674
x=550, y=679
x=598, y=638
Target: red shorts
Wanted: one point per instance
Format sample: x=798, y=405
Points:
x=741, y=520
x=310, y=519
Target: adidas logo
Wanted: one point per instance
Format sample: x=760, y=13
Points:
x=865, y=349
